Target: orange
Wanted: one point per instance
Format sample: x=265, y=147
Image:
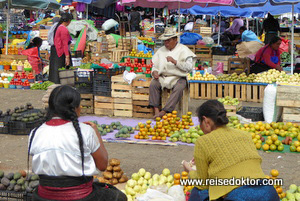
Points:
x=192, y=124
x=176, y=176
x=136, y=136
x=164, y=117
x=190, y=188
x=174, y=116
x=142, y=126
x=283, y=194
x=279, y=190
x=174, y=112
x=274, y=173
x=189, y=113
x=158, y=138
x=176, y=182
x=158, y=119
x=266, y=147
x=184, y=173
x=141, y=137
x=169, y=115
x=185, y=177
x=148, y=126
x=163, y=138
x=148, y=122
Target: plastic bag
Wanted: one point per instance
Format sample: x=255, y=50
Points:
x=272, y=113
x=155, y=195
x=34, y=59
x=284, y=46
x=201, y=42
x=190, y=38
x=108, y=24
x=177, y=193
x=208, y=40
x=128, y=77
x=219, y=69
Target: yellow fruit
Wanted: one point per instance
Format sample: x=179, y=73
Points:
x=274, y=173
x=266, y=147
x=258, y=145
x=274, y=137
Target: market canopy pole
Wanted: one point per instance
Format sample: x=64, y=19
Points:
x=154, y=21
x=179, y=19
x=7, y=28
x=219, y=31
x=292, y=45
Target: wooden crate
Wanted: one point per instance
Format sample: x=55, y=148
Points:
x=66, y=77
x=103, y=106
x=183, y=105
x=221, y=58
x=238, y=65
x=140, y=98
x=87, y=103
x=44, y=34
x=291, y=114
x=205, y=31
x=255, y=93
x=197, y=27
x=288, y=96
x=117, y=55
x=202, y=51
x=127, y=44
x=232, y=109
x=201, y=90
x=122, y=96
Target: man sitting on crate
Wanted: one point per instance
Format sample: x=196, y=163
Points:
x=171, y=64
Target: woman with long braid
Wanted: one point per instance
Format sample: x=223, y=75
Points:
x=66, y=153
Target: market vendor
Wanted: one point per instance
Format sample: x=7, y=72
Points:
x=268, y=57
x=248, y=35
x=171, y=64
x=233, y=31
x=66, y=153
x=226, y=153
x=60, y=52
x=271, y=27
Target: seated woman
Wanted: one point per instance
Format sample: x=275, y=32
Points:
x=36, y=42
x=268, y=57
x=225, y=153
x=66, y=153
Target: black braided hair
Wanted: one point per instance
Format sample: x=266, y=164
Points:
x=63, y=101
x=65, y=17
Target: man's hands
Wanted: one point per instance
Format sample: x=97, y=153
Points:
x=170, y=59
x=155, y=74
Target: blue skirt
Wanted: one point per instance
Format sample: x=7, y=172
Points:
x=243, y=193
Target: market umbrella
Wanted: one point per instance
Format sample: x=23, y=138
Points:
x=26, y=4
x=274, y=2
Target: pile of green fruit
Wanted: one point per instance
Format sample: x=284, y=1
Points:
x=19, y=181
x=190, y=136
x=123, y=131
x=63, y=68
x=43, y=86
x=26, y=114
x=292, y=194
x=229, y=101
x=237, y=78
x=234, y=122
x=285, y=57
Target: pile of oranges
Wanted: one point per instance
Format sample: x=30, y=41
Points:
x=184, y=175
x=164, y=126
x=275, y=173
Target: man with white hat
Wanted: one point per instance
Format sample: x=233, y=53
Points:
x=171, y=64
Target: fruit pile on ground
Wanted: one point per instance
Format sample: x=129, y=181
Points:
x=124, y=131
x=190, y=136
x=164, y=127
x=19, y=181
x=295, y=146
x=274, y=175
x=292, y=194
x=142, y=180
x=272, y=143
x=113, y=173
x=184, y=175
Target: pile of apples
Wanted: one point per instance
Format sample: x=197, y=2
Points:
x=142, y=180
x=237, y=78
x=205, y=77
x=164, y=127
x=270, y=76
x=229, y=101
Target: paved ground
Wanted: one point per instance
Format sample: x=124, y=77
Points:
x=153, y=158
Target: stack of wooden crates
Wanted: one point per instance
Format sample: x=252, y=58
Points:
x=288, y=97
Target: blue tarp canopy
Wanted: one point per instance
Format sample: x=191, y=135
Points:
x=225, y=11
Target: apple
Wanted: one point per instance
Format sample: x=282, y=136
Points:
x=135, y=176
x=147, y=175
x=142, y=172
x=155, y=177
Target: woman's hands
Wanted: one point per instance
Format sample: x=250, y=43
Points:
x=67, y=60
x=186, y=166
x=93, y=125
x=278, y=67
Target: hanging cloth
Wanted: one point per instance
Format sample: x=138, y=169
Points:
x=80, y=7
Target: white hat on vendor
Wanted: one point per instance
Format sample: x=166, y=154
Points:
x=169, y=33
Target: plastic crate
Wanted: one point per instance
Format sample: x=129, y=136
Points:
x=253, y=113
x=83, y=76
x=102, y=86
x=84, y=87
x=108, y=72
x=22, y=128
x=12, y=195
x=4, y=121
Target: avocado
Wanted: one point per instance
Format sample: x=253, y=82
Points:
x=13, y=181
x=5, y=181
x=34, y=177
x=21, y=181
x=25, y=120
x=118, y=123
x=17, y=188
x=19, y=118
x=11, y=186
x=17, y=175
x=2, y=187
x=33, y=184
x=1, y=173
x=31, y=119
x=10, y=176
